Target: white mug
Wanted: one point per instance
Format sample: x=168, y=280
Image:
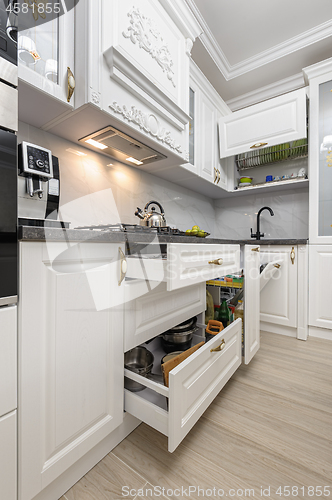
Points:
x=51, y=70
x=25, y=48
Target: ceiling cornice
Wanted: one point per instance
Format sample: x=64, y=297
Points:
x=278, y=51
x=183, y=17
x=267, y=92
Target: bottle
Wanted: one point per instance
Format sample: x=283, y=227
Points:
x=224, y=313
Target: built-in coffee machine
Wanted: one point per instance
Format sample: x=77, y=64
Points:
x=38, y=186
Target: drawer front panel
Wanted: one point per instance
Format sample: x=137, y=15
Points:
x=196, y=382
x=147, y=314
x=8, y=457
x=191, y=263
x=8, y=359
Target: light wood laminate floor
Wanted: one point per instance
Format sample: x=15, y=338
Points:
x=270, y=426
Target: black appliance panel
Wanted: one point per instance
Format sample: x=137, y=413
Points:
x=8, y=265
x=8, y=30
x=8, y=182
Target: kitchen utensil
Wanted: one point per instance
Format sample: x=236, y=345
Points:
x=138, y=360
x=170, y=355
x=153, y=218
x=213, y=328
x=246, y=179
x=175, y=361
x=244, y=184
x=179, y=337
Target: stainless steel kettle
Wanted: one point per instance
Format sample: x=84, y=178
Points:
x=153, y=218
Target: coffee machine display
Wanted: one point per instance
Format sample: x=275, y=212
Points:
x=38, y=186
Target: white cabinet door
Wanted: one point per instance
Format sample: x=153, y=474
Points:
x=320, y=290
x=8, y=359
x=268, y=123
x=207, y=138
x=279, y=296
x=251, y=302
x=44, y=53
x=8, y=457
x=70, y=356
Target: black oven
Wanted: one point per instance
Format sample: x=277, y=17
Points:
x=8, y=218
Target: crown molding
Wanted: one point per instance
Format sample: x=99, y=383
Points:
x=317, y=70
x=267, y=92
x=183, y=17
x=289, y=46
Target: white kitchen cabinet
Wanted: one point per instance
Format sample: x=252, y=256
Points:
x=8, y=359
x=150, y=312
x=194, y=383
x=45, y=52
x=185, y=264
x=268, y=123
x=70, y=356
x=319, y=77
x=320, y=291
x=284, y=297
x=8, y=457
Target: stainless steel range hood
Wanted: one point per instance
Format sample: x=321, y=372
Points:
x=122, y=147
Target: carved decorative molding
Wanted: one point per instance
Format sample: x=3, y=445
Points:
x=95, y=97
x=143, y=30
x=147, y=122
x=189, y=46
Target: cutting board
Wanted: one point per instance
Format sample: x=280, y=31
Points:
x=172, y=363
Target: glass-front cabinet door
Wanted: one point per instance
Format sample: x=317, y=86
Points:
x=325, y=161
x=46, y=47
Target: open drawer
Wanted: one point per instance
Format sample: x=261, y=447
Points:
x=193, y=385
x=185, y=264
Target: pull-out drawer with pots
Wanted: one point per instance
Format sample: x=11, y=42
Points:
x=193, y=384
x=185, y=264
x=150, y=312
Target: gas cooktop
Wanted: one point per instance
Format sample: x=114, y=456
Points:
x=134, y=228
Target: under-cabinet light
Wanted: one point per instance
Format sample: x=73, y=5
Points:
x=133, y=160
x=96, y=144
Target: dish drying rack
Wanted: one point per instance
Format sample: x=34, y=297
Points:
x=274, y=154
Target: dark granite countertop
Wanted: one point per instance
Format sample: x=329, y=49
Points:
x=31, y=233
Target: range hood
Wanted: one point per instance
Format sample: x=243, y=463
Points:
x=122, y=147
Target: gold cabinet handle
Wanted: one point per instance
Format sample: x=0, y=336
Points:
x=292, y=255
x=71, y=84
x=278, y=266
x=255, y=249
x=258, y=145
x=123, y=266
x=217, y=262
x=220, y=347
x=215, y=174
x=218, y=176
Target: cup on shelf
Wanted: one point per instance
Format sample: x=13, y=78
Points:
x=26, y=50
x=51, y=70
x=269, y=178
x=277, y=178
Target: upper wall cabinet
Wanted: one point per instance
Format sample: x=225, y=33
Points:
x=267, y=123
x=319, y=77
x=45, y=52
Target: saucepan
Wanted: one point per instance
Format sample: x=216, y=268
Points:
x=139, y=360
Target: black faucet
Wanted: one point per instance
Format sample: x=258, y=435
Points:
x=260, y=235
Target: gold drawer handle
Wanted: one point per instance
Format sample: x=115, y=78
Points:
x=292, y=255
x=217, y=262
x=255, y=249
x=123, y=266
x=277, y=266
x=220, y=347
x=258, y=145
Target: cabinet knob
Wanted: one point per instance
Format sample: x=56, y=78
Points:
x=217, y=262
x=255, y=249
x=220, y=347
x=258, y=145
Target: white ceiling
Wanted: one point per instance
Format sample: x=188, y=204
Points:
x=249, y=45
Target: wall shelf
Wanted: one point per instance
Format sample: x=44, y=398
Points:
x=273, y=186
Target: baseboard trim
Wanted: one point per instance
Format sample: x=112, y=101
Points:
x=63, y=483
x=279, y=329
x=321, y=333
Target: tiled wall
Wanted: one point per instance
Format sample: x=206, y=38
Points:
x=235, y=216
x=94, y=193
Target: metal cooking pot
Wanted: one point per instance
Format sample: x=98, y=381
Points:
x=138, y=360
x=179, y=337
x=153, y=218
